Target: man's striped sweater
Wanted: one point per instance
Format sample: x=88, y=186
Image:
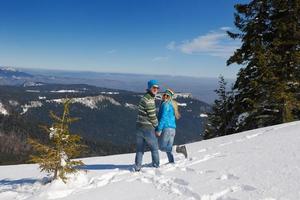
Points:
x=147, y=118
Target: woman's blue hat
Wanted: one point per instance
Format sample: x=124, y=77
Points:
x=170, y=92
x=152, y=83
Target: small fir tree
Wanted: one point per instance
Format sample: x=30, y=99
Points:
x=55, y=157
x=220, y=120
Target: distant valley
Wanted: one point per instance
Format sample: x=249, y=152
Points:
x=107, y=122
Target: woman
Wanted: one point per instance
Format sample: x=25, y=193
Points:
x=166, y=130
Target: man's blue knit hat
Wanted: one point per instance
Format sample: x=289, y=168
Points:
x=152, y=83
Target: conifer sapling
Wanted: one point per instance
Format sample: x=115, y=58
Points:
x=55, y=157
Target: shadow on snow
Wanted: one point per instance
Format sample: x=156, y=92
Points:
x=20, y=181
x=106, y=167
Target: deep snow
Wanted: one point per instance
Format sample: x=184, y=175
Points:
x=262, y=164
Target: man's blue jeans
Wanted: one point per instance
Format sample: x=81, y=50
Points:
x=144, y=137
x=166, y=141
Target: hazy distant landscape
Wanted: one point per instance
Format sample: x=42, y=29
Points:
x=201, y=88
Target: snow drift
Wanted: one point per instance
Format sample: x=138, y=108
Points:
x=262, y=164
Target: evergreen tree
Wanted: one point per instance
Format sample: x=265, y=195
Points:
x=55, y=158
x=220, y=119
x=267, y=86
x=285, y=56
x=252, y=87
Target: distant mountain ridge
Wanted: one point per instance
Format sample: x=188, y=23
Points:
x=201, y=88
x=9, y=72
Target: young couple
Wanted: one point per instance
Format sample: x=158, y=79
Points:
x=156, y=132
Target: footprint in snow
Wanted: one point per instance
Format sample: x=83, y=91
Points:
x=228, y=177
x=202, y=150
x=106, y=179
x=248, y=188
x=180, y=181
x=188, y=169
x=225, y=144
x=223, y=194
x=169, y=185
x=209, y=171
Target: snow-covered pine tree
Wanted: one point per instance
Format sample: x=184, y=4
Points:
x=252, y=20
x=220, y=119
x=55, y=157
x=257, y=86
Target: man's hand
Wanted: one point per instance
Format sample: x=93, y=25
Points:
x=157, y=133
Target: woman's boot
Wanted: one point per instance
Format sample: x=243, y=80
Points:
x=182, y=149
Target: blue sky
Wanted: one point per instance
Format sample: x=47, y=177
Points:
x=176, y=37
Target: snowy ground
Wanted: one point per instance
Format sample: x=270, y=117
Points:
x=262, y=164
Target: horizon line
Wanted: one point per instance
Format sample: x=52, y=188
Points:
x=114, y=73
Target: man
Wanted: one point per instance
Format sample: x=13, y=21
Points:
x=146, y=124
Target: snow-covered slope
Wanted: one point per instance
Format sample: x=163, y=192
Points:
x=262, y=164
